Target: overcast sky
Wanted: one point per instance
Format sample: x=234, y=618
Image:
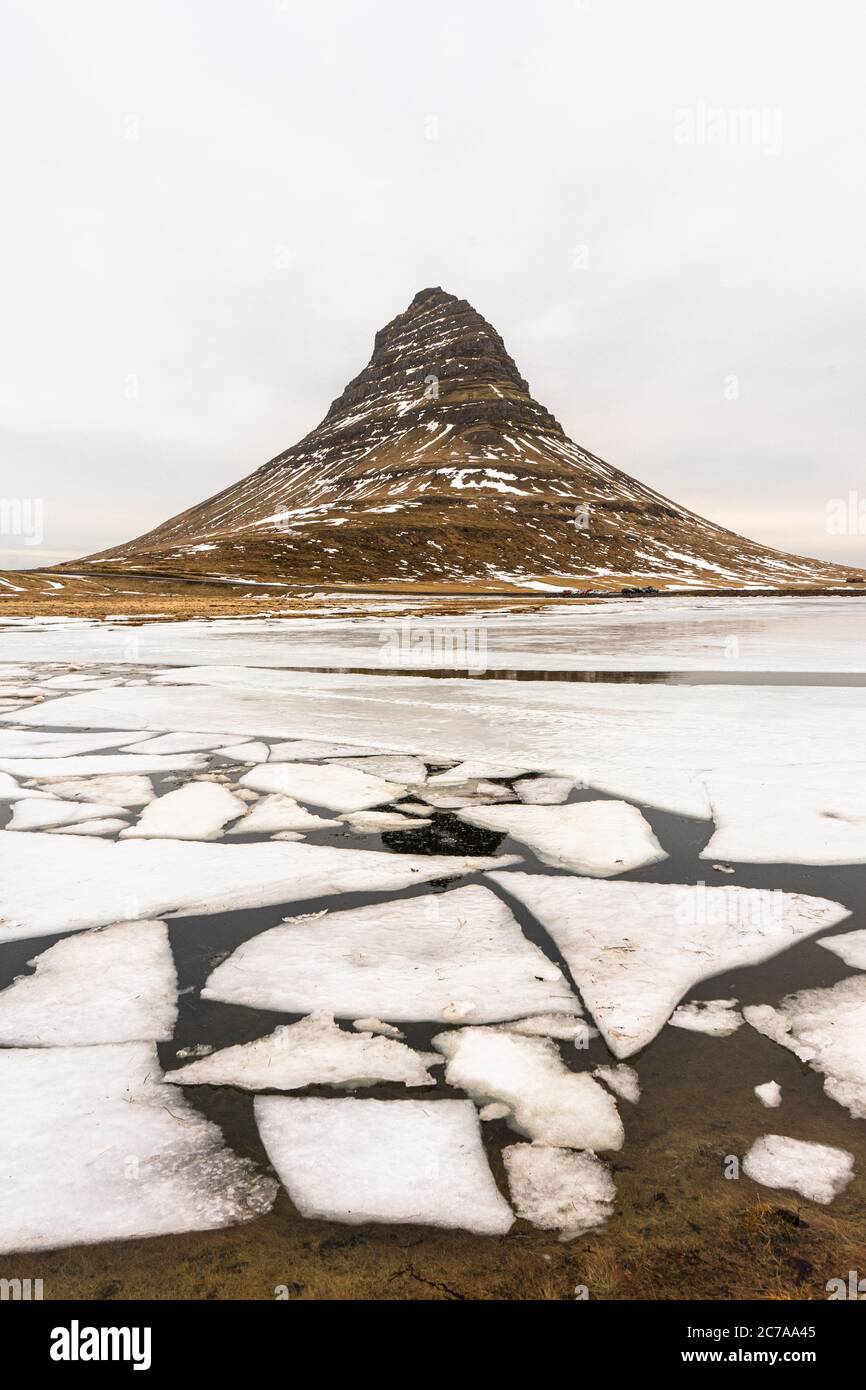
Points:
x=209, y=208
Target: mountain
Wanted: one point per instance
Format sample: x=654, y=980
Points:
x=436, y=467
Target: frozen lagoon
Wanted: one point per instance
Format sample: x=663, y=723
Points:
x=676, y=633
x=690, y=759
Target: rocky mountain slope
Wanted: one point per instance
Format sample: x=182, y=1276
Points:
x=436, y=467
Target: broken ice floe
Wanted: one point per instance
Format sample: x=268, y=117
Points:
x=565, y=1027
x=450, y=957
x=305, y=750
x=49, y=883
x=337, y=788
x=277, y=812
x=650, y=744
x=623, y=1080
x=47, y=813
x=544, y=791
x=101, y=764
x=183, y=743
x=453, y=798
x=75, y=680
x=400, y=1161
x=850, y=947
x=198, y=811
x=559, y=1190
x=27, y=743
x=13, y=697
x=718, y=1017
x=546, y=1101
x=827, y=1029
x=117, y=984
x=635, y=949
x=800, y=815
x=393, y=767
x=11, y=791
x=600, y=838
x=313, y=1052
x=102, y=1150
x=109, y=826
x=369, y=822
x=473, y=771
x=494, y=1111
x=120, y=791
x=375, y=1025
x=245, y=753
x=817, y=1171
x=769, y=1093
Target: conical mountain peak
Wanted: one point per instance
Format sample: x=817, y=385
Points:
x=440, y=354
x=437, y=468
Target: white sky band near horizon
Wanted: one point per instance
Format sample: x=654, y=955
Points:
x=211, y=209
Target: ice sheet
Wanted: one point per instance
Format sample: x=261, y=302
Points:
x=311, y=750
x=10, y=790
x=817, y=1171
x=337, y=788
x=827, y=1029
x=547, y=1101
x=558, y=1190
x=635, y=949
x=623, y=1080
x=399, y=1161
x=44, y=814
x=117, y=984
x=276, y=813
x=600, y=838
x=101, y=1150
x=850, y=947
x=182, y=743
x=717, y=1017
x=99, y=764
x=49, y=883
x=565, y=1027
x=198, y=811
x=648, y=743
x=769, y=1093
x=446, y=957
x=374, y=822
x=313, y=1052
x=460, y=794
x=475, y=770
x=394, y=767
x=655, y=633
x=544, y=791
x=788, y=816
x=109, y=826
x=245, y=752
x=123, y=791
x=29, y=743
x=375, y=1025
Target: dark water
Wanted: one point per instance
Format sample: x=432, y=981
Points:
x=726, y=677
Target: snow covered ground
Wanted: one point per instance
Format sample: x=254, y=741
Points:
x=473, y=889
